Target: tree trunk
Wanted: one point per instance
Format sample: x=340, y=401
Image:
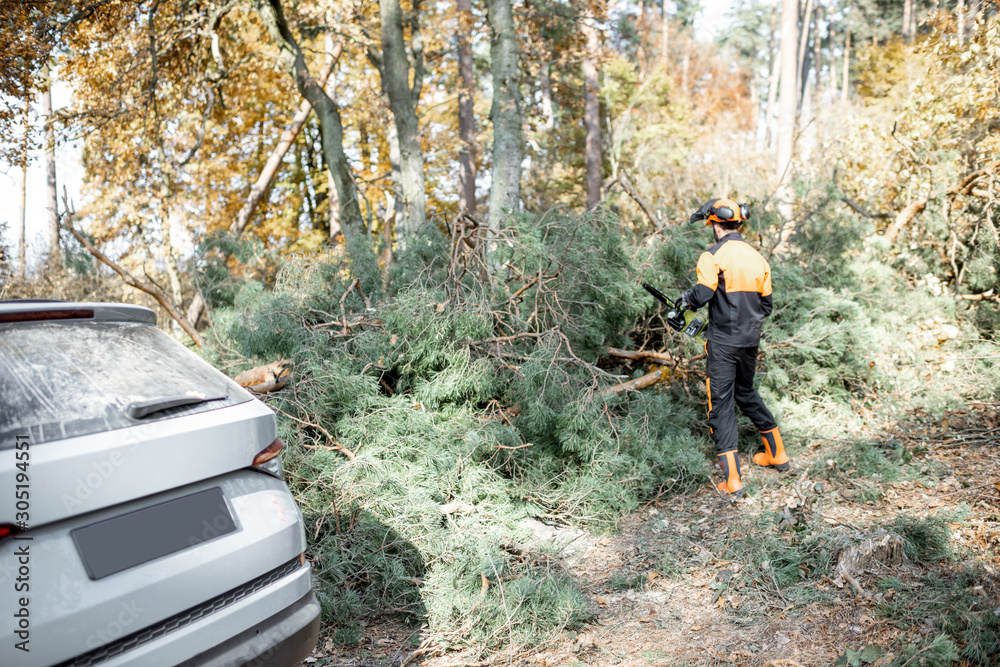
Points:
x=847, y=67
x=786, y=112
x=506, y=114
x=830, y=41
x=817, y=58
x=51, y=191
x=22, y=243
x=664, y=35
x=392, y=138
x=803, y=53
x=907, y=15
x=685, y=68
x=277, y=156
x=466, y=111
x=396, y=84
x=960, y=12
x=548, y=111
x=592, y=115
x=356, y=235
x=975, y=6
x=333, y=202
x=333, y=212
x=772, y=85
x=758, y=132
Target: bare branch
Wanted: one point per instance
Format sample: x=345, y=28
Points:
x=627, y=187
x=903, y=218
x=131, y=280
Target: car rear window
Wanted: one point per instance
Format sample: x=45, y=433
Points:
x=65, y=379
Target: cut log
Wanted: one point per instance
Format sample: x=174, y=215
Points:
x=265, y=379
x=647, y=380
x=662, y=358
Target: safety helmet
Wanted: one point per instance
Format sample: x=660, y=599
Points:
x=721, y=210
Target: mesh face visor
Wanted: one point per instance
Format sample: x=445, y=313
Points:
x=703, y=212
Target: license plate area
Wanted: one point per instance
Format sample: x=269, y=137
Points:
x=117, y=544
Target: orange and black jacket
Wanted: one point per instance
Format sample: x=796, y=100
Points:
x=735, y=281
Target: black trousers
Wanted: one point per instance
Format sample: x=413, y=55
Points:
x=730, y=373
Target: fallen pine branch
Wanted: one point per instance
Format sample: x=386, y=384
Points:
x=336, y=447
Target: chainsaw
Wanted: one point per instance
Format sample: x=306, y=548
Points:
x=680, y=318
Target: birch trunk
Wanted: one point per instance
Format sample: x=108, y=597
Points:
x=817, y=58
x=51, y=190
x=907, y=14
x=847, y=67
x=466, y=110
x=772, y=92
x=22, y=239
x=356, y=235
x=396, y=84
x=960, y=12
x=506, y=114
x=786, y=114
x=277, y=156
x=664, y=35
x=830, y=41
x=592, y=115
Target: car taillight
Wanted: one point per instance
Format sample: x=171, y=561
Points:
x=8, y=529
x=269, y=458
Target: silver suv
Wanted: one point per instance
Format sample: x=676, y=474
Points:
x=143, y=518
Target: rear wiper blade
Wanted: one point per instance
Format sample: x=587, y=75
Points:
x=140, y=409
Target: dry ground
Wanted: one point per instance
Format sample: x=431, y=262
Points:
x=688, y=581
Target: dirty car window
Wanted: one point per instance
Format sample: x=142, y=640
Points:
x=65, y=379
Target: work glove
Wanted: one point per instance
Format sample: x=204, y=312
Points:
x=687, y=297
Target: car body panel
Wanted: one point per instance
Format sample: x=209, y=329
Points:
x=80, y=475
x=85, y=613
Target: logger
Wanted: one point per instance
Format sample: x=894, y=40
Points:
x=680, y=317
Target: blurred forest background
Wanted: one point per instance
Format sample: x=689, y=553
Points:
x=434, y=218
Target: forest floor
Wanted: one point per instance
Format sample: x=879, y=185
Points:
x=698, y=580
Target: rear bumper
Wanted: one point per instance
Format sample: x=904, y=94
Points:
x=170, y=609
x=276, y=622
x=283, y=640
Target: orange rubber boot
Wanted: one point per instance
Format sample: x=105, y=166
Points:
x=773, y=455
x=730, y=464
